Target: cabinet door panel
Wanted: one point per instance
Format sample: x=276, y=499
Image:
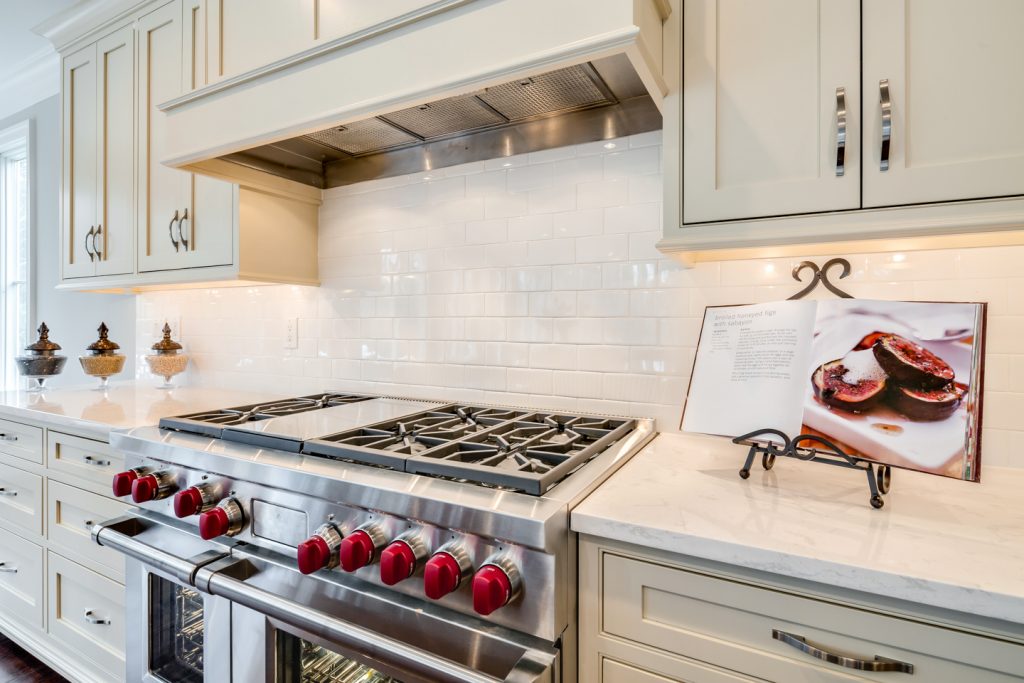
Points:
x=162, y=190
x=80, y=161
x=248, y=34
x=210, y=228
x=957, y=97
x=115, y=56
x=760, y=107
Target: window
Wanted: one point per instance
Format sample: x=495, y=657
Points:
x=15, y=312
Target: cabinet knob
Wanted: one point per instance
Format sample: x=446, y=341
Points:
x=95, y=249
x=181, y=232
x=88, y=249
x=170, y=230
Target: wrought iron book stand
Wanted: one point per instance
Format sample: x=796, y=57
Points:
x=810, y=447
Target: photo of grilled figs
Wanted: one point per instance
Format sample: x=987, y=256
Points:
x=869, y=340
x=831, y=389
x=927, y=405
x=911, y=365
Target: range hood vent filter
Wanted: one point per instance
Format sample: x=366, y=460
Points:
x=550, y=93
x=361, y=137
x=445, y=117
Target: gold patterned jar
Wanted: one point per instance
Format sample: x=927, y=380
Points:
x=102, y=360
x=42, y=361
x=167, y=361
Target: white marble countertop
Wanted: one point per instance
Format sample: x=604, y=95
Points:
x=938, y=542
x=123, y=405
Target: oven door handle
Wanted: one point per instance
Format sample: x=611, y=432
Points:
x=119, y=533
x=535, y=666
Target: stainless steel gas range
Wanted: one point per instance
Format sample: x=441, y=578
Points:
x=343, y=538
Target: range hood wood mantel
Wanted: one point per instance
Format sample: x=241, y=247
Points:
x=287, y=118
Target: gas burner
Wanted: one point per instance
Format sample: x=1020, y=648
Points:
x=212, y=422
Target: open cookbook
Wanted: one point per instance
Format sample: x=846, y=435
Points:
x=896, y=382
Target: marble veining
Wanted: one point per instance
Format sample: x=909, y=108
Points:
x=937, y=542
x=124, y=405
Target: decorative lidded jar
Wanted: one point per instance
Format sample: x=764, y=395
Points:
x=102, y=360
x=167, y=361
x=42, y=361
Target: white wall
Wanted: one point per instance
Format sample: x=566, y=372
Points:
x=71, y=316
x=534, y=281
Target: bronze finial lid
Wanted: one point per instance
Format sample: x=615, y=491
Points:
x=103, y=345
x=43, y=344
x=166, y=345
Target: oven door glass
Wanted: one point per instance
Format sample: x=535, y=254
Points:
x=175, y=631
x=301, y=661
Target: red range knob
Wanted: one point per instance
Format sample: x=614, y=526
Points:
x=492, y=589
x=397, y=563
x=213, y=523
x=188, y=502
x=123, y=481
x=145, y=488
x=441, y=575
x=357, y=550
x=320, y=550
x=226, y=519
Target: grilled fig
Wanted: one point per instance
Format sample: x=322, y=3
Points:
x=927, y=405
x=856, y=396
x=869, y=340
x=910, y=364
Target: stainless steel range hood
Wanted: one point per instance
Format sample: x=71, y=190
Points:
x=479, y=80
x=592, y=101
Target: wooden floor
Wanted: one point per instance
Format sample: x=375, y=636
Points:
x=18, y=666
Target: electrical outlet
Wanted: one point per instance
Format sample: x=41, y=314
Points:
x=291, y=333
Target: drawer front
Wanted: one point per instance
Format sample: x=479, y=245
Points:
x=91, y=460
x=21, y=441
x=21, y=499
x=613, y=671
x=21, y=579
x=730, y=624
x=86, y=612
x=70, y=515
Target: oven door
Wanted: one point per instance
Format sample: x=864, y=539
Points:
x=330, y=628
x=175, y=633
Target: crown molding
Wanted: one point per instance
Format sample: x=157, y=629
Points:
x=65, y=28
x=31, y=80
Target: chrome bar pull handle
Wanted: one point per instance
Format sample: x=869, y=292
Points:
x=886, y=105
x=840, y=131
x=95, y=620
x=876, y=664
x=88, y=236
x=99, y=231
x=181, y=233
x=89, y=460
x=9, y=494
x=170, y=230
x=7, y=570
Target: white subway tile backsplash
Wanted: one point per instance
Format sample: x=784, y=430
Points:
x=534, y=280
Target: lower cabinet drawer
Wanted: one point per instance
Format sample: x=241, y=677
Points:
x=731, y=624
x=21, y=499
x=21, y=441
x=93, y=461
x=613, y=671
x=70, y=515
x=21, y=580
x=86, y=612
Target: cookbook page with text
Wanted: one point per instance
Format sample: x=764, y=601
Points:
x=750, y=370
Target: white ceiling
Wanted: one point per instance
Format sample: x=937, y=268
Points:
x=21, y=49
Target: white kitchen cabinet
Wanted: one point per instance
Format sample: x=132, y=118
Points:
x=752, y=125
x=683, y=621
x=771, y=89
x=98, y=165
x=184, y=221
x=956, y=97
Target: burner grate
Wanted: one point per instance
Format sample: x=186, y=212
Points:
x=212, y=422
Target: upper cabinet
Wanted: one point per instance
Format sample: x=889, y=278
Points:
x=802, y=122
x=98, y=163
x=130, y=221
